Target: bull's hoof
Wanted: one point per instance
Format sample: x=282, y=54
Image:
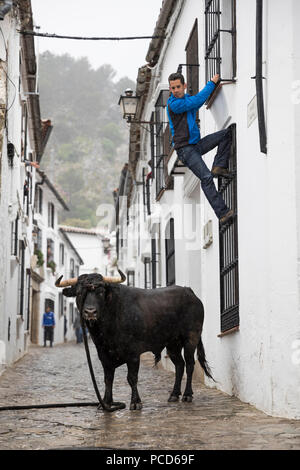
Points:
x=173, y=398
x=136, y=406
x=114, y=406
x=187, y=398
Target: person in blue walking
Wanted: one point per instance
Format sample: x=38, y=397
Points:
x=48, y=325
x=182, y=110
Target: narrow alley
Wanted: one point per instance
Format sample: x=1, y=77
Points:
x=60, y=374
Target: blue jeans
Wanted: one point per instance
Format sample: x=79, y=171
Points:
x=191, y=156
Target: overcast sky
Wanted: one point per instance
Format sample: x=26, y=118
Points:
x=102, y=18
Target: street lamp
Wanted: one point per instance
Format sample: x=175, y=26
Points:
x=128, y=103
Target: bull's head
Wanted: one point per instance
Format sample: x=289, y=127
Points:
x=91, y=292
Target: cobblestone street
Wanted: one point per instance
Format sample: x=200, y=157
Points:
x=60, y=374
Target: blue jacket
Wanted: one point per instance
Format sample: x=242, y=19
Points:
x=48, y=319
x=182, y=116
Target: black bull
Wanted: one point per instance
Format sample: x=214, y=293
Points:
x=125, y=322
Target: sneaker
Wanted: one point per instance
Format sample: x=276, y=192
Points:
x=226, y=217
x=219, y=171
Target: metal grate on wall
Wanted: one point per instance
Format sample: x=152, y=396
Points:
x=161, y=149
x=220, y=39
x=228, y=243
x=170, y=253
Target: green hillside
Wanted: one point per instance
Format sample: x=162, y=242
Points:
x=89, y=142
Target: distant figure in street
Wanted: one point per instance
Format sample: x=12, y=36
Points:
x=182, y=110
x=48, y=325
x=78, y=330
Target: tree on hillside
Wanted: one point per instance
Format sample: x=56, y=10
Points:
x=84, y=155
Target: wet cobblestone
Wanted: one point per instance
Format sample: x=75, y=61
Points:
x=213, y=420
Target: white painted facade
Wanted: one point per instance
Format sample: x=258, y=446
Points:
x=56, y=247
x=14, y=327
x=24, y=286
x=260, y=362
x=95, y=247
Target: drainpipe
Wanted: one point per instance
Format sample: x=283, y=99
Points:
x=5, y=8
x=259, y=77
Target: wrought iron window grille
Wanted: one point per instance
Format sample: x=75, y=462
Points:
x=21, y=278
x=228, y=246
x=155, y=259
x=160, y=148
x=170, y=253
x=213, y=44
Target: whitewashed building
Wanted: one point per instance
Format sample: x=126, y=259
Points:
x=96, y=247
x=22, y=141
x=31, y=243
x=246, y=273
x=54, y=255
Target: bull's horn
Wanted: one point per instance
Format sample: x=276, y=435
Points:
x=67, y=282
x=115, y=280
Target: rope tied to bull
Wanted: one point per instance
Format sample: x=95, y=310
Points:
x=117, y=405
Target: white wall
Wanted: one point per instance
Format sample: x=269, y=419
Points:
x=295, y=97
x=48, y=289
x=90, y=248
x=259, y=363
x=16, y=337
x=255, y=363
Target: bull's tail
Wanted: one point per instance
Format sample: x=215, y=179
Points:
x=202, y=360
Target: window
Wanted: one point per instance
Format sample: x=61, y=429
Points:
x=152, y=145
x=49, y=303
x=14, y=236
x=72, y=265
x=71, y=314
x=153, y=262
x=24, y=122
x=220, y=39
x=27, y=192
x=146, y=192
x=21, y=278
x=50, y=251
x=50, y=214
x=170, y=253
x=20, y=72
x=130, y=278
x=155, y=256
x=37, y=237
x=8, y=329
x=228, y=243
x=28, y=290
x=61, y=254
x=76, y=270
x=38, y=200
x=192, y=61
x=147, y=273
x=60, y=304
x=163, y=139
